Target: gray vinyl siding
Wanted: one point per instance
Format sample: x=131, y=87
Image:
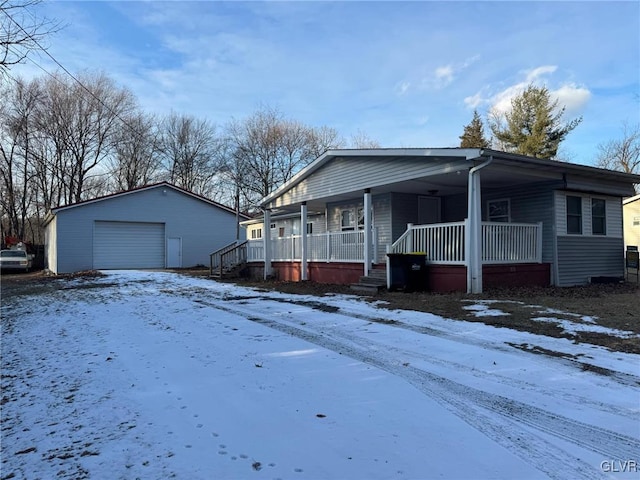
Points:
x=404, y=211
x=454, y=208
x=203, y=227
x=531, y=203
x=381, y=205
x=340, y=176
x=583, y=257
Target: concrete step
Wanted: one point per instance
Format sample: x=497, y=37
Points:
x=378, y=273
x=366, y=287
x=374, y=280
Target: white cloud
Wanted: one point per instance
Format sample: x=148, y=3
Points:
x=572, y=96
x=569, y=95
x=438, y=78
x=444, y=74
x=536, y=73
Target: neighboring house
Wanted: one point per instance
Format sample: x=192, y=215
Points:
x=156, y=226
x=482, y=217
x=631, y=220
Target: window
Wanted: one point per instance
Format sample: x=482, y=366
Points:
x=499, y=210
x=273, y=225
x=309, y=228
x=598, y=216
x=256, y=233
x=360, y=218
x=281, y=232
x=347, y=220
x=574, y=215
x=636, y=221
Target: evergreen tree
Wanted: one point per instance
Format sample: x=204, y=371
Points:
x=473, y=135
x=533, y=126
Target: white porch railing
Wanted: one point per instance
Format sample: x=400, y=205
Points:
x=321, y=247
x=443, y=243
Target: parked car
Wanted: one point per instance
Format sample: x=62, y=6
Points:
x=15, y=260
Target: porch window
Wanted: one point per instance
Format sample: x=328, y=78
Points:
x=598, y=216
x=281, y=232
x=309, y=228
x=256, y=233
x=347, y=220
x=499, y=210
x=360, y=218
x=574, y=215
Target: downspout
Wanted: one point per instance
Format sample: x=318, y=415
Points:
x=266, y=236
x=473, y=233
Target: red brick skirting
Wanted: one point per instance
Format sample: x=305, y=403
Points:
x=440, y=278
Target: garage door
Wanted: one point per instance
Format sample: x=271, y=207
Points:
x=124, y=245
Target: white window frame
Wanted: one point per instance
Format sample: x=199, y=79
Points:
x=256, y=234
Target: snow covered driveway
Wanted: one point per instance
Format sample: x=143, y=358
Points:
x=155, y=375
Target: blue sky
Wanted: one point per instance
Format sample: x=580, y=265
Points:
x=408, y=74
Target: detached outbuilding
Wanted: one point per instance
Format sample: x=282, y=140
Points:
x=156, y=226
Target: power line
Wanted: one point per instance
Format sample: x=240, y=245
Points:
x=116, y=114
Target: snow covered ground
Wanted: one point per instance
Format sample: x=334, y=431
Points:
x=155, y=375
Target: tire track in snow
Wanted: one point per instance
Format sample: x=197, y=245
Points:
x=472, y=404
x=622, y=378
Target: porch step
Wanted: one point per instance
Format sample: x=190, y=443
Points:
x=366, y=287
x=374, y=280
x=372, y=283
x=233, y=271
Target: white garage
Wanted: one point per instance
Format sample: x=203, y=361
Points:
x=156, y=226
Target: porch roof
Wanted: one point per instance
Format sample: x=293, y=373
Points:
x=337, y=174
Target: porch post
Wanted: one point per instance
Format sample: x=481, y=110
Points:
x=266, y=237
x=367, y=231
x=473, y=232
x=303, y=241
x=474, y=236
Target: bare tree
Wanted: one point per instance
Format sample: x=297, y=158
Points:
x=21, y=31
x=321, y=139
x=16, y=143
x=623, y=153
x=190, y=151
x=136, y=159
x=266, y=149
x=80, y=120
x=362, y=140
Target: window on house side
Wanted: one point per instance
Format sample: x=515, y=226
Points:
x=309, y=228
x=499, y=210
x=281, y=232
x=257, y=233
x=347, y=221
x=574, y=215
x=598, y=216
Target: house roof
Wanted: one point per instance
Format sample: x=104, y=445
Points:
x=635, y=198
x=141, y=189
x=461, y=156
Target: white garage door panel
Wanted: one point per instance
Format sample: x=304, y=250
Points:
x=128, y=245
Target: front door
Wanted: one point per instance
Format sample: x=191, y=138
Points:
x=174, y=252
x=428, y=210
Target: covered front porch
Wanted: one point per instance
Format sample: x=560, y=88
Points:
x=510, y=251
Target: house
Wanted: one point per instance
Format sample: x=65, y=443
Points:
x=631, y=221
x=482, y=217
x=156, y=226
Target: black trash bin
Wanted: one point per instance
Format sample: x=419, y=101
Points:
x=408, y=271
